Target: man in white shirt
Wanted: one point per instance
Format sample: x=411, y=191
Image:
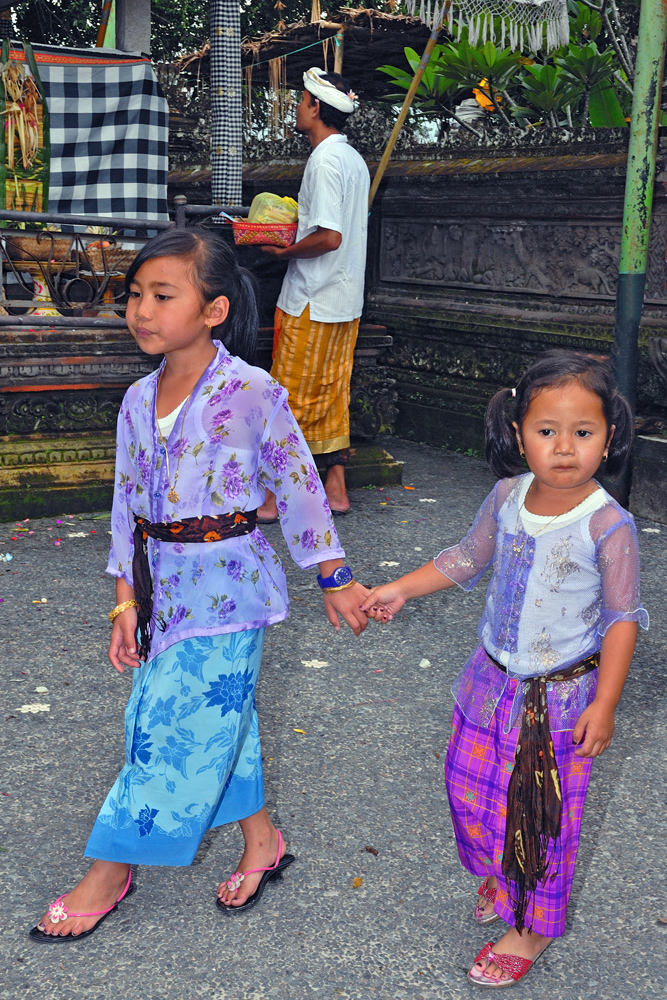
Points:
x=317, y=317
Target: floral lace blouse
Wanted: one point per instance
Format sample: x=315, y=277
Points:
x=238, y=437
x=553, y=594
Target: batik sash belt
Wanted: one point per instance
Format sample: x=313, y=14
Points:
x=207, y=528
x=534, y=801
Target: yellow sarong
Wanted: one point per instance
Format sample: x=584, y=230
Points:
x=313, y=361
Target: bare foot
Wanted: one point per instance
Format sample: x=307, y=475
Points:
x=335, y=489
x=269, y=509
x=260, y=854
x=98, y=890
x=485, y=907
x=524, y=945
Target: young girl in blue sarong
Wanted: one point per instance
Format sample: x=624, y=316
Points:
x=199, y=442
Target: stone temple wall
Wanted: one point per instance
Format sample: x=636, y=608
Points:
x=480, y=258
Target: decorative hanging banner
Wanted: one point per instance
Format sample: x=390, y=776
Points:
x=24, y=141
x=520, y=24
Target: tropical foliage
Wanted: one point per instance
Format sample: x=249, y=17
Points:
x=577, y=84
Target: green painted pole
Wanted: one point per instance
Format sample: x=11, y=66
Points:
x=642, y=152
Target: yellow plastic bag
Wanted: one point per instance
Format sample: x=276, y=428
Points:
x=267, y=207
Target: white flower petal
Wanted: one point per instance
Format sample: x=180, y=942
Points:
x=427, y=500
x=316, y=664
x=424, y=662
x=36, y=707
x=388, y=562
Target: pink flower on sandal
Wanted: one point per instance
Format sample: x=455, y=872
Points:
x=234, y=883
x=57, y=911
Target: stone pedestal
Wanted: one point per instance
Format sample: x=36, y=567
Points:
x=60, y=391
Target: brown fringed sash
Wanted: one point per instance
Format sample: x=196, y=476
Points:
x=534, y=802
x=208, y=528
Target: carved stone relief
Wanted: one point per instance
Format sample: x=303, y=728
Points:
x=541, y=257
x=54, y=412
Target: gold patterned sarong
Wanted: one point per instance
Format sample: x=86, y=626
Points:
x=313, y=361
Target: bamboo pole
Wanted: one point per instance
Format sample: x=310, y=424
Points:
x=339, y=42
x=102, y=30
x=386, y=156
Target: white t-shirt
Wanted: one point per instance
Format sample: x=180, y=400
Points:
x=165, y=424
x=334, y=195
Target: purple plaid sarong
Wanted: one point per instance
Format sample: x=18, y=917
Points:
x=478, y=767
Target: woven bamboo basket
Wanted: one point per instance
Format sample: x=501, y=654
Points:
x=42, y=247
x=277, y=234
x=116, y=259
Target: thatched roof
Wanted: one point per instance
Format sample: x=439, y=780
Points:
x=372, y=39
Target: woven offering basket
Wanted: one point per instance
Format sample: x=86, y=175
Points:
x=116, y=258
x=281, y=234
x=37, y=248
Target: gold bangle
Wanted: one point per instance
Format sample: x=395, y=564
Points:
x=334, y=590
x=122, y=607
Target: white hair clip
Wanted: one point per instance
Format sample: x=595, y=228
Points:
x=513, y=392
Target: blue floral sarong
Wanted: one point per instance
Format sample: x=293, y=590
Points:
x=192, y=752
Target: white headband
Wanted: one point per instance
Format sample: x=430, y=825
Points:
x=327, y=92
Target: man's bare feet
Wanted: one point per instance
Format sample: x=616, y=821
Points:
x=335, y=489
x=269, y=509
x=261, y=849
x=98, y=890
x=524, y=945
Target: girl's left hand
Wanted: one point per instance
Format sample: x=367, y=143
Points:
x=346, y=603
x=594, y=730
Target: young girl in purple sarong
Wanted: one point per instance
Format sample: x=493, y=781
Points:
x=199, y=442
x=535, y=703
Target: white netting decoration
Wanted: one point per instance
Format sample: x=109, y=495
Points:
x=531, y=24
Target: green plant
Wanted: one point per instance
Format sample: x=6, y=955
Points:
x=548, y=90
x=592, y=73
x=436, y=90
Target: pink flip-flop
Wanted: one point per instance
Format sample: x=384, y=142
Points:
x=274, y=873
x=58, y=911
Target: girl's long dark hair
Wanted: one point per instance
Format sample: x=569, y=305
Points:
x=553, y=369
x=215, y=271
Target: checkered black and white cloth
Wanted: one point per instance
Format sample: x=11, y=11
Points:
x=226, y=106
x=109, y=133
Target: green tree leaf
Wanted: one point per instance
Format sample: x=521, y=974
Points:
x=605, y=110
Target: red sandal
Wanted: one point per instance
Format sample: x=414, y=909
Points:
x=490, y=896
x=515, y=967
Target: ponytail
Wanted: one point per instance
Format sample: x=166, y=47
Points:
x=502, y=450
x=239, y=331
x=620, y=415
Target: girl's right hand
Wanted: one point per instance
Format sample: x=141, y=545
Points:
x=383, y=603
x=123, y=642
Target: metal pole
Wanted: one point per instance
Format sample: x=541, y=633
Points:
x=386, y=156
x=642, y=151
x=180, y=201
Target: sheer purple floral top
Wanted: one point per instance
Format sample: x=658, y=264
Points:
x=557, y=586
x=236, y=438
